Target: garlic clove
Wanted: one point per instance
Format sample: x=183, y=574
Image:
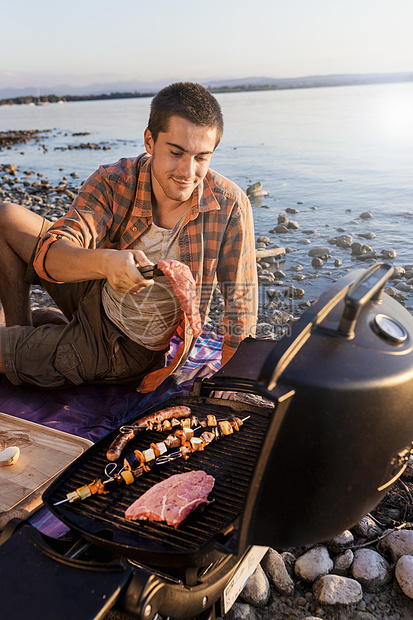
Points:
x=9, y=456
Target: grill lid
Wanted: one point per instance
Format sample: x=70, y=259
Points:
x=348, y=431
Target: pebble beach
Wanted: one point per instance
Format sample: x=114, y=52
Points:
x=365, y=573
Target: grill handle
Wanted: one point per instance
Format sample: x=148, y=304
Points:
x=205, y=387
x=368, y=285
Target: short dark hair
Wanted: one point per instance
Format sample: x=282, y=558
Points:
x=188, y=100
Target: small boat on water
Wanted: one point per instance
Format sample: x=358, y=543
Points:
x=39, y=101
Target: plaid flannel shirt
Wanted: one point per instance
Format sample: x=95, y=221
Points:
x=113, y=208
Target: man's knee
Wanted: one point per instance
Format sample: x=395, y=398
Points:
x=19, y=229
x=7, y=212
x=10, y=214
x=7, y=207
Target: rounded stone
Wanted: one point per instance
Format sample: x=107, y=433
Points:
x=370, y=569
x=404, y=574
x=313, y=564
x=334, y=589
x=317, y=262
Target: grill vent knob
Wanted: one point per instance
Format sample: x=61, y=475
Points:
x=389, y=329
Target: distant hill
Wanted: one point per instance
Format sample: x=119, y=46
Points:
x=311, y=81
x=136, y=88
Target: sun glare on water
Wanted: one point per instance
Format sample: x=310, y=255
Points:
x=393, y=119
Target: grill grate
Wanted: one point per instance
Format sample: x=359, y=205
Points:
x=230, y=460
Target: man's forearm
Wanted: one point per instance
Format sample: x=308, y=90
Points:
x=67, y=262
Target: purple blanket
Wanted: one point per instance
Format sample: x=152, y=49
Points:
x=93, y=411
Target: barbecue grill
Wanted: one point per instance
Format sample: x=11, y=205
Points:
x=334, y=432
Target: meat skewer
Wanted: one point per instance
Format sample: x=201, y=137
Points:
x=96, y=486
x=118, y=444
x=138, y=462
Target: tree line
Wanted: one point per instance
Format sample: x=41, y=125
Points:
x=28, y=99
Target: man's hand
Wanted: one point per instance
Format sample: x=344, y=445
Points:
x=67, y=262
x=122, y=271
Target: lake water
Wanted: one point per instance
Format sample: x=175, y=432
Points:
x=336, y=151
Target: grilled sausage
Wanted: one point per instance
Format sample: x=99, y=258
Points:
x=117, y=445
x=178, y=411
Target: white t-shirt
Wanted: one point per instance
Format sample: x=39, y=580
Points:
x=150, y=316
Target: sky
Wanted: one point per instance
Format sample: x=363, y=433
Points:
x=44, y=43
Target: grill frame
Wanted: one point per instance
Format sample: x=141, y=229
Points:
x=205, y=536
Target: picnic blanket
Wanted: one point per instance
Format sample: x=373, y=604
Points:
x=92, y=411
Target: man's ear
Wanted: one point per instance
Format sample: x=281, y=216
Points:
x=148, y=141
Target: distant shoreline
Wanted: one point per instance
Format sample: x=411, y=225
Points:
x=282, y=84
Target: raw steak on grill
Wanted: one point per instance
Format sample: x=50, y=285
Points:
x=173, y=499
x=184, y=287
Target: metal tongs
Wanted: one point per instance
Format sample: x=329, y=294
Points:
x=150, y=271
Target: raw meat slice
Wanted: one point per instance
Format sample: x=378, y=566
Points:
x=184, y=287
x=173, y=499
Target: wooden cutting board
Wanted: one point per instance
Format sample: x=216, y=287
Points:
x=44, y=453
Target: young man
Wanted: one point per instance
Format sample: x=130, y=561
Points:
x=166, y=203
